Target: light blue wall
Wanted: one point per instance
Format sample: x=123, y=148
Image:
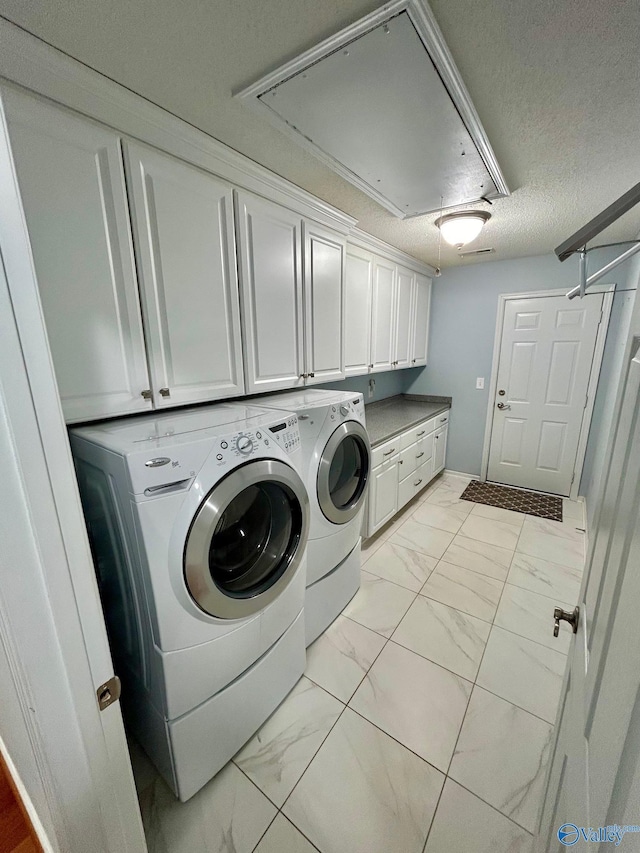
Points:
x=387, y=384
x=463, y=319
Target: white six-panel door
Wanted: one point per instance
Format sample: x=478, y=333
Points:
x=324, y=261
x=185, y=246
x=73, y=194
x=545, y=360
x=270, y=259
x=357, y=310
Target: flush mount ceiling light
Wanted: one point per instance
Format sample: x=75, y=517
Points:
x=458, y=229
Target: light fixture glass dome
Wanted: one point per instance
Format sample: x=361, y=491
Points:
x=458, y=229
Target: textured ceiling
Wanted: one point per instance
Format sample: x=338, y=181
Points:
x=556, y=84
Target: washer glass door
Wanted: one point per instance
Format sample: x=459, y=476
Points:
x=343, y=472
x=247, y=539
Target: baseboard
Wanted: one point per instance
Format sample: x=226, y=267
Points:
x=460, y=474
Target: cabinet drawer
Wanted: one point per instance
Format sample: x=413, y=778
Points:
x=417, y=432
x=442, y=419
x=414, y=484
x=408, y=461
x=385, y=451
x=406, y=490
x=422, y=476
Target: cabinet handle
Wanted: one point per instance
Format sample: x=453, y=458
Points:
x=164, y=392
x=400, y=462
x=146, y=394
x=443, y=420
x=312, y=375
x=413, y=360
x=417, y=482
x=389, y=452
x=304, y=376
x=418, y=434
x=437, y=438
x=419, y=455
x=370, y=367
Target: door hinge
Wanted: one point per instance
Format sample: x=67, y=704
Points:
x=109, y=692
x=573, y=476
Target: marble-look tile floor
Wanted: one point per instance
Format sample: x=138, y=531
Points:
x=424, y=720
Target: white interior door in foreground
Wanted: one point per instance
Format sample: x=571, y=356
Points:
x=594, y=783
x=544, y=366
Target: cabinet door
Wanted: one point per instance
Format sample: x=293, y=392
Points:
x=383, y=494
x=269, y=255
x=408, y=461
x=357, y=310
x=73, y=194
x=324, y=261
x=185, y=248
x=403, y=321
x=382, y=313
x=440, y=449
x=421, y=310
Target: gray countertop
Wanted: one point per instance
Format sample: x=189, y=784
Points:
x=389, y=417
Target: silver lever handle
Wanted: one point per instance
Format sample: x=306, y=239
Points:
x=389, y=452
x=503, y=406
x=560, y=615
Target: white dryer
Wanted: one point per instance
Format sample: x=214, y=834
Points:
x=198, y=521
x=336, y=464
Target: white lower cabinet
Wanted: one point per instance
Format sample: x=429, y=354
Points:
x=440, y=448
x=402, y=467
x=383, y=493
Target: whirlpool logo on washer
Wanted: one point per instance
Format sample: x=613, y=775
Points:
x=159, y=461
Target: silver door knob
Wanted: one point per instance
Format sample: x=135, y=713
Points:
x=503, y=406
x=560, y=615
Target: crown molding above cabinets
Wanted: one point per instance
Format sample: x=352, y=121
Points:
x=373, y=244
x=30, y=63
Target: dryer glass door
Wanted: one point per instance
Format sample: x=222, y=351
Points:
x=343, y=472
x=247, y=539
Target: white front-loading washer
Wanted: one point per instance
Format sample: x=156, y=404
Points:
x=336, y=458
x=198, y=521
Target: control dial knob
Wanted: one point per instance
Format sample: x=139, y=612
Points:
x=344, y=411
x=244, y=444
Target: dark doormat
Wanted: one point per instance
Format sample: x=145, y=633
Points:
x=518, y=500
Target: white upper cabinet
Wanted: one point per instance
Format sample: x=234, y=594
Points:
x=403, y=330
x=270, y=263
x=421, y=310
x=383, y=315
x=357, y=311
x=185, y=249
x=72, y=186
x=324, y=263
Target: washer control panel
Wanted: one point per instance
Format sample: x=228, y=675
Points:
x=243, y=445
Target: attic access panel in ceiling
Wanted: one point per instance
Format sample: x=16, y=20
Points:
x=383, y=104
